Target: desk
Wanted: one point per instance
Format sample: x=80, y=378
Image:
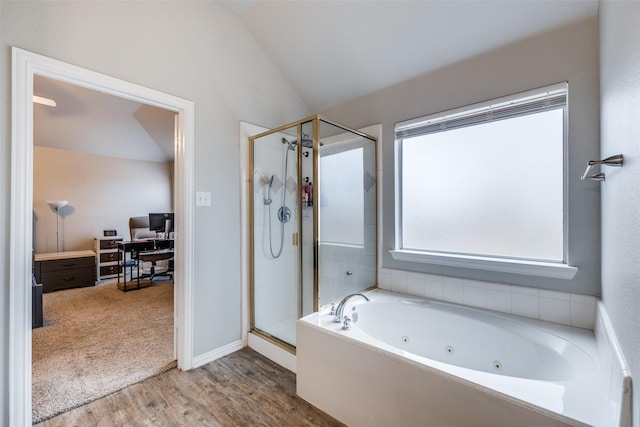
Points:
x=134, y=248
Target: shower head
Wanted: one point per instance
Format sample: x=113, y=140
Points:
x=271, y=181
x=291, y=145
x=307, y=142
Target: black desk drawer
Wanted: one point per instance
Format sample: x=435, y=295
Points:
x=65, y=273
x=57, y=280
x=109, y=257
x=66, y=264
x=106, y=270
x=109, y=244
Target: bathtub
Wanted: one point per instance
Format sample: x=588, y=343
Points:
x=414, y=362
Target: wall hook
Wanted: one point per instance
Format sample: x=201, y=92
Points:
x=615, y=161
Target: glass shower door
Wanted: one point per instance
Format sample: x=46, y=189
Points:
x=276, y=259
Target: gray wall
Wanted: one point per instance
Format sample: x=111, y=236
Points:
x=620, y=133
x=194, y=50
x=103, y=193
x=568, y=54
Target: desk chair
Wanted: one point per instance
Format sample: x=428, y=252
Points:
x=139, y=229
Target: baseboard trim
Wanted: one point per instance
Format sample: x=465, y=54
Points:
x=273, y=352
x=216, y=354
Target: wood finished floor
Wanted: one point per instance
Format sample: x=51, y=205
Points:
x=241, y=389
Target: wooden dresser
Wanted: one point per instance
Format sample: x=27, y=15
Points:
x=64, y=270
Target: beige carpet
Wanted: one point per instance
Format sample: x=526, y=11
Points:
x=98, y=340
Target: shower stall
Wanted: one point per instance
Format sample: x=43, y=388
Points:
x=312, y=222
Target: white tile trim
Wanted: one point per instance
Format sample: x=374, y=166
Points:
x=551, y=306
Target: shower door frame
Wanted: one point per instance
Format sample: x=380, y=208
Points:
x=252, y=327
x=315, y=120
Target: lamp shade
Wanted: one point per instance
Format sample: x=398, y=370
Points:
x=57, y=204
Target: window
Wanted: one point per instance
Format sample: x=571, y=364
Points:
x=342, y=199
x=485, y=185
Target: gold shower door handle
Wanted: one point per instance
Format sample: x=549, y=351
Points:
x=294, y=239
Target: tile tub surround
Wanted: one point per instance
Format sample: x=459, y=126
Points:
x=551, y=306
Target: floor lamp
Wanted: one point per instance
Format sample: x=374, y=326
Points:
x=56, y=205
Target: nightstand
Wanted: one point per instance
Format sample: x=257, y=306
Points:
x=107, y=265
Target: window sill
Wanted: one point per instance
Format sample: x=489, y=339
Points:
x=527, y=268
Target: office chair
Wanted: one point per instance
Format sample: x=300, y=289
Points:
x=139, y=230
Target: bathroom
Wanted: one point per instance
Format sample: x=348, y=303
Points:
x=558, y=300
x=595, y=55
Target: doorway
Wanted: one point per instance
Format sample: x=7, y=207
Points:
x=110, y=159
x=26, y=65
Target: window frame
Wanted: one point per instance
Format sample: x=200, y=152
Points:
x=552, y=269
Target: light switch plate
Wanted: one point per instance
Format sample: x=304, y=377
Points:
x=203, y=198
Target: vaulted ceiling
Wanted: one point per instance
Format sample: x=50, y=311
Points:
x=335, y=51
x=329, y=51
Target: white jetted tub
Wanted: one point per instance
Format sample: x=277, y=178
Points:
x=414, y=362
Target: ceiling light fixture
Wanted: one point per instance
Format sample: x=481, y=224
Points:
x=44, y=101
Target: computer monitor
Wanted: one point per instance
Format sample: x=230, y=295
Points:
x=161, y=222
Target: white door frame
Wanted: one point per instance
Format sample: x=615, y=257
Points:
x=24, y=66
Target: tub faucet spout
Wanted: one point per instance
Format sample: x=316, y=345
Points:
x=338, y=318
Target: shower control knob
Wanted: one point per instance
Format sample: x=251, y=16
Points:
x=284, y=214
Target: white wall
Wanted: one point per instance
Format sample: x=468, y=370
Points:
x=194, y=50
x=620, y=133
x=569, y=53
x=103, y=193
x=5, y=166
